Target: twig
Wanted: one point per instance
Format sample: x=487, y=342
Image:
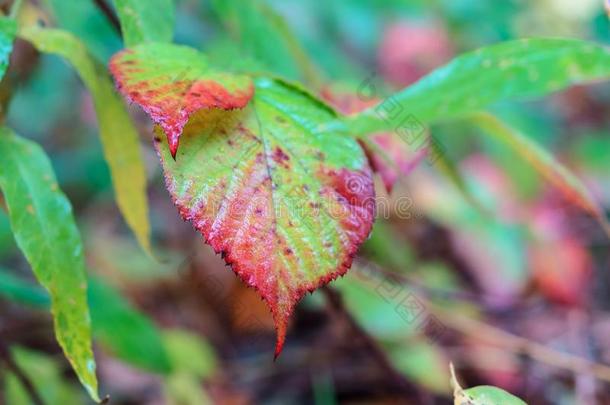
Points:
x=336, y=303
x=110, y=15
x=537, y=351
x=5, y=355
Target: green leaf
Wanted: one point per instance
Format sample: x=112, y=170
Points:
x=487, y=395
x=126, y=333
x=172, y=82
x=46, y=376
x=481, y=395
x=421, y=362
x=118, y=135
x=8, y=30
x=515, y=69
x=185, y=389
x=17, y=290
x=86, y=22
x=43, y=225
x=285, y=201
x=192, y=359
x=189, y=353
x=146, y=20
x=543, y=162
x=265, y=36
x=122, y=330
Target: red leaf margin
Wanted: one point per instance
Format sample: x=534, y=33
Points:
x=171, y=105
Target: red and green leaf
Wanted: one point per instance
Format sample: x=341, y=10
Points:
x=286, y=202
x=172, y=82
x=389, y=155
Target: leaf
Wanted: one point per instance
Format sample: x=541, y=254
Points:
x=552, y=170
x=192, y=359
x=422, y=362
x=146, y=20
x=264, y=35
x=126, y=333
x=46, y=376
x=122, y=330
x=118, y=135
x=286, y=202
x=43, y=225
x=87, y=23
x=171, y=82
x=389, y=155
x=522, y=68
x=481, y=395
x=17, y=290
x=185, y=389
x=190, y=354
x=8, y=30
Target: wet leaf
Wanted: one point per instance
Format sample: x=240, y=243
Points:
x=522, y=68
x=118, y=134
x=146, y=20
x=45, y=230
x=171, y=82
x=285, y=201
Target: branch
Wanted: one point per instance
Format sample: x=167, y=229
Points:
x=517, y=344
x=110, y=15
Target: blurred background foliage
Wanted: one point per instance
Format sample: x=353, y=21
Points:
x=183, y=330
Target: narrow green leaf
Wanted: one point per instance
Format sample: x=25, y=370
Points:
x=43, y=225
x=146, y=20
x=515, y=69
x=126, y=333
x=118, y=135
x=8, y=30
x=543, y=162
x=265, y=36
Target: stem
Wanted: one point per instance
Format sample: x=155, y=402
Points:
x=110, y=15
